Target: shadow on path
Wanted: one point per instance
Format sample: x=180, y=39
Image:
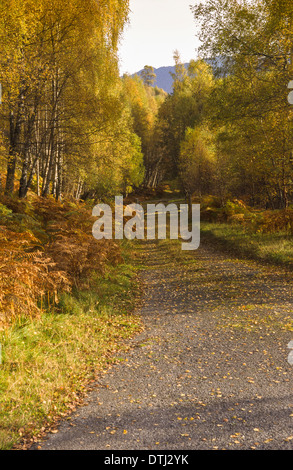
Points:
x=210, y=369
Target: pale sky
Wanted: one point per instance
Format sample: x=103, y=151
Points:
x=157, y=28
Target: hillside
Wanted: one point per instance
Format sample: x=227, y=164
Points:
x=164, y=78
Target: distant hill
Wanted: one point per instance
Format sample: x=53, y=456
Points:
x=164, y=79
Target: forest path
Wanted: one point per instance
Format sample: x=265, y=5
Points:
x=210, y=369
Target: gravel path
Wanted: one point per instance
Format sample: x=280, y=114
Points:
x=210, y=369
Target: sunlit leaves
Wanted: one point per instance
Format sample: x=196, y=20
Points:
x=253, y=43
x=61, y=90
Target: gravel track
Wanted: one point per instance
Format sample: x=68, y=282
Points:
x=210, y=369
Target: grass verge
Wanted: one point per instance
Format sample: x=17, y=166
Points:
x=275, y=248
x=48, y=363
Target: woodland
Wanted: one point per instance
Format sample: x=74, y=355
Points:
x=73, y=132
x=72, y=127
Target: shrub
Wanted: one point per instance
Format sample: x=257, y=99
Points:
x=275, y=221
x=46, y=250
x=25, y=276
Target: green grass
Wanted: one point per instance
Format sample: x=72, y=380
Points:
x=47, y=363
x=276, y=248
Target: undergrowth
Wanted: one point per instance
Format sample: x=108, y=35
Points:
x=67, y=304
x=46, y=248
x=264, y=235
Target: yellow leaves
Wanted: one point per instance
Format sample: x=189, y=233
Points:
x=236, y=435
x=76, y=49
x=191, y=418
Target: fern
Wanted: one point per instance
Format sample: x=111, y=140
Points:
x=47, y=249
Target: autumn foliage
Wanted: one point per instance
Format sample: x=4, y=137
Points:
x=45, y=249
x=254, y=220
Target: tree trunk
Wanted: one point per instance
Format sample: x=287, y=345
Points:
x=15, y=129
x=23, y=183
